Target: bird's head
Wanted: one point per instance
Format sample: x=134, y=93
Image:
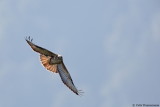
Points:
x=60, y=57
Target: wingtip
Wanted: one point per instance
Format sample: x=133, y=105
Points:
x=80, y=93
x=28, y=39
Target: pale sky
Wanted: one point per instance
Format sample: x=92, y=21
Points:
x=111, y=49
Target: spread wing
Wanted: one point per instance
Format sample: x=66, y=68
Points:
x=66, y=78
x=39, y=49
x=45, y=62
x=45, y=57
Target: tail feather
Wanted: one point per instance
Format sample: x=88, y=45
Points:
x=45, y=62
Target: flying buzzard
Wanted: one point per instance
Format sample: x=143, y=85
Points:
x=54, y=63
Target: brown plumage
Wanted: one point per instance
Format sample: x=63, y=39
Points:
x=54, y=63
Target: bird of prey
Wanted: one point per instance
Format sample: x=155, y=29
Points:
x=54, y=63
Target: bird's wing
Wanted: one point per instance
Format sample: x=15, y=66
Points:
x=66, y=78
x=39, y=49
x=45, y=62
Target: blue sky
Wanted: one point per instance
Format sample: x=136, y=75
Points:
x=111, y=49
